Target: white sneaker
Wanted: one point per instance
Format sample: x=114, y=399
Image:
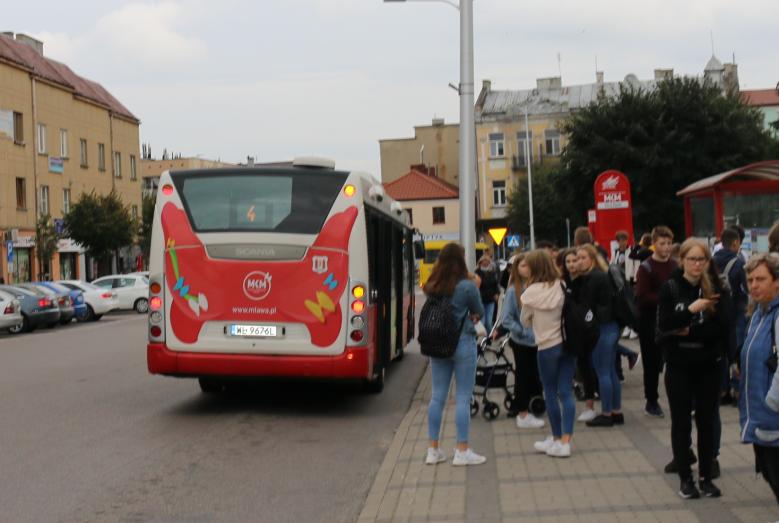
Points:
x=587, y=415
x=434, y=456
x=633, y=335
x=468, y=457
x=529, y=422
x=626, y=332
x=543, y=446
x=559, y=450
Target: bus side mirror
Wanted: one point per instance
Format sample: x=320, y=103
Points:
x=419, y=250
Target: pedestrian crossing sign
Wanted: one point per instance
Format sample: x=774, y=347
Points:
x=513, y=240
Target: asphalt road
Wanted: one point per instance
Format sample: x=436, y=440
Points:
x=86, y=434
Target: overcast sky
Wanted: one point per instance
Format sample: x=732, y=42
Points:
x=279, y=78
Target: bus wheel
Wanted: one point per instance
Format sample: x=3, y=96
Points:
x=376, y=385
x=211, y=385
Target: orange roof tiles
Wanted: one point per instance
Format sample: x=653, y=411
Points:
x=419, y=186
x=26, y=57
x=759, y=97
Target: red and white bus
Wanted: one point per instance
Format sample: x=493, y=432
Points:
x=302, y=271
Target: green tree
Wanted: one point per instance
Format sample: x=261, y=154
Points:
x=144, y=227
x=101, y=223
x=45, y=244
x=663, y=140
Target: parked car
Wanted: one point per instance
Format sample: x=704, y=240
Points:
x=10, y=311
x=61, y=298
x=99, y=301
x=76, y=298
x=132, y=290
x=37, y=309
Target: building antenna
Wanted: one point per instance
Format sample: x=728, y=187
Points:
x=596, y=63
x=559, y=66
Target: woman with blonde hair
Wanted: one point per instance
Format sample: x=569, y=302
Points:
x=693, y=330
x=450, y=278
x=523, y=345
x=542, y=307
x=595, y=291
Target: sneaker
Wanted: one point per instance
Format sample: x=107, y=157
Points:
x=559, y=450
x=618, y=418
x=543, y=446
x=587, y=415
x=467, y=457
x=632, y=360
x=687, y=489
x=529, y=422
x=709, y=489
x=671, y=468
x=625, y=332
x=633, y=335
x=601, y=420
x=654, y=410
x=715, y=471
x=434, y=456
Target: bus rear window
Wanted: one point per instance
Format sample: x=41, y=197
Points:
x=290, y=202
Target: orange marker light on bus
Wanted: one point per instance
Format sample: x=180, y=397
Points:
x=349, y=190
x=358, y=306
x=155, y=303
x=167, y=189
x=358, y=291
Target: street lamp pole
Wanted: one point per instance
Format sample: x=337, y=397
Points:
x=467, y=151
x=529, y=181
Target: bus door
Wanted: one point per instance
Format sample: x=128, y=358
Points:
x=380, y=276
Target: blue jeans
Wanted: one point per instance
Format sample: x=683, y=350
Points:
x=603, y=363
x=556, y=367
x=489, y=312
x=463, y=366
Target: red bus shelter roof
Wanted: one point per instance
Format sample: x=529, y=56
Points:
x=761, y=171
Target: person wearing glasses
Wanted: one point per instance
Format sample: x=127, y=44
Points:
x=693, y=331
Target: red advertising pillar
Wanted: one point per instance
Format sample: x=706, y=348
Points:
x=614, y=208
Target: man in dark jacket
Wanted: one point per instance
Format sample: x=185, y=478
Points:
x=730, y=265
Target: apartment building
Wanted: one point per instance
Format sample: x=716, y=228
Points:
x=60, y=135
x=434, y=146
x=433, y=205
x=152, y=169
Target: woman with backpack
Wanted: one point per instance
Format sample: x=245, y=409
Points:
x=595, y=291
x=523, y=345
x=693, y=331
x=542, y=307
x=759, y=383
x=450, y=278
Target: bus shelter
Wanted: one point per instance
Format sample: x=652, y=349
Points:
x=747, y=196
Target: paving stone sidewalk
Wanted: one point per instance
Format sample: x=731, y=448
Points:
x=614, y=475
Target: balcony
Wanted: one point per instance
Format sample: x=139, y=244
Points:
x=518, y=163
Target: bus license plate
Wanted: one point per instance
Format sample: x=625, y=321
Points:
x=260, y=331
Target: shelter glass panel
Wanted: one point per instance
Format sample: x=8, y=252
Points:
x=703, y=216
x=751, y=211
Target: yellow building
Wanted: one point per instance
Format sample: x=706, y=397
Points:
x=152, y=169
x=60, y=135
x=434, y=147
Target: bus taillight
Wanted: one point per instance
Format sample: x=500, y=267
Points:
x=356, y=335
x=156, y=303
x=358, y=306
x=358, y=291
x=156, y=308
x=358, y=324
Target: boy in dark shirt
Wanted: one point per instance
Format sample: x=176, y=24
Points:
x=652, y=274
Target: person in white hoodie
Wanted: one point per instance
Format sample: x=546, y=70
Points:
x=542, y=307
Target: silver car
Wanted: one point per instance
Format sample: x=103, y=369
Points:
x=10, y=311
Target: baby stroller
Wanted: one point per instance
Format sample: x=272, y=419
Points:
x=495, y=371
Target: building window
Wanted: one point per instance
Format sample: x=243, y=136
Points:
x=65, y=201
x=44, y=203
x=41, y=138
x=133, y=171
x=84, y=158
x=101, y=157
x=134, y=212
x=552, y=138
x=21, y=193
x=118, y=165
x=499, y=193
x=439, y=217
x=496, y=145
x=410, y=216
x=63, y=143
x=18, y=128
x=521, y=143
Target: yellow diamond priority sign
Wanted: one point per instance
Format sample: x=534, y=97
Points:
x=497, y=234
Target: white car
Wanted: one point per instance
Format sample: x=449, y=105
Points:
x=132, y=290
x=10, y=311
x=99, y=301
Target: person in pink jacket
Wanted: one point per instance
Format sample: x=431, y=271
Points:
x=542, y=307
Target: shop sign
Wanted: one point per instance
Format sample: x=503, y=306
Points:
x=68, y=245
x=56, y=165
x=25, y=242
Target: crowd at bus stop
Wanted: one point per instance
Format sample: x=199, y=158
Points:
x=706, y=321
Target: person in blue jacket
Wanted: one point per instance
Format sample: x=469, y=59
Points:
x=759, y=386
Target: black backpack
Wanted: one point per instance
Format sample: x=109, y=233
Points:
x=438, y=330
x=578, y=326
x=623, y=300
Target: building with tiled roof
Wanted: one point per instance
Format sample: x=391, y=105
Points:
x=433, y=204
x=61, y=135
x=767, y=102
